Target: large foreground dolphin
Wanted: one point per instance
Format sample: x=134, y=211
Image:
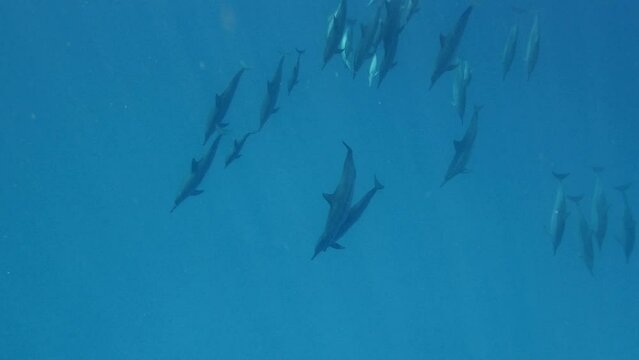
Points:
x=199, y=168
x=463, y=149
x=334, y=33
x=339, y=203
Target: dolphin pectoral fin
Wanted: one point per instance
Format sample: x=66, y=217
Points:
x=328, y=197
x=337, y=246
x=197, y=192
x=452, y=67
x=442, y=40
x=193, y=165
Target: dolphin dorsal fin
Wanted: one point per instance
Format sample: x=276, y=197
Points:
x=193, y=165
x=458, y=145
x=442, y=40
x=328, y=197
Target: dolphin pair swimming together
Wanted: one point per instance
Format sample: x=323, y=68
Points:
x=341, y=215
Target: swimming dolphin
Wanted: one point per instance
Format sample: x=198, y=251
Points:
x=199, y=168
x=463, y=149
x=585, y=234
x=373, y=71
x=390, y=38
x=339, y=204
x=335, y=31
x=238, y=144
x=628, y=239
x=369, y=39
x=532, y=51
x=346, y=45
x=357, y=210
x=412, y=8
x=599, y=209
x=448, y=47
x=462, y=80
x=296, y=72
x=222, y=104
x=509, y=51
x=559, y=214
x=272, y=92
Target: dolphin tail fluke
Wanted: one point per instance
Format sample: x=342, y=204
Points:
x=378, y=185
x=560, y=176
x=244, y=66
x=300, y=51
x=623, y=188
x=347, y=147
x=598, y=169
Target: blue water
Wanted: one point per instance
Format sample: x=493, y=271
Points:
x=104, y=105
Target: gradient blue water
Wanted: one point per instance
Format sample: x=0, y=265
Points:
x=103, y=106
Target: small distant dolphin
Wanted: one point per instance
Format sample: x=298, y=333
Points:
x=346, y=46
x=628, y=239
x=369, y=39
x=222, y=104
x=585, y=234
x=509, y=51
x=448, y=47
x=358, y=209
x=272, y=92
x=463, y=149
x=392, y=28
x=334, y=33
x=462, y=80
x=532, y=51
x=238, y=144
x=296, y=72
x=199, y=168
x=599, y=209
x=559, y=214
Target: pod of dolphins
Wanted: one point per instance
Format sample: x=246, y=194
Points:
x=378, y=43
x=598, y=219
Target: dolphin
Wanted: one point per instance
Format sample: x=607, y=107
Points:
x=559, y=213
x=463, y=149
x=222, y=104
x=335, y=31
x=272, y=92
x=510, y=48
x=358, y=209
x=199, y=168
x=448, y=47
x=296, y=72
x=599, y=209
x=373, y=71
x=346, y=45
x=370, y=36
x=532, y=51
x=390, y=38
x=585, y=234
x=462, y=80
x=628, y=239
x=412, y=8
x=238, y=144
x=339, y=204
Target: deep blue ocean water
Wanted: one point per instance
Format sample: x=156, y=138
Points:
x=104, y=104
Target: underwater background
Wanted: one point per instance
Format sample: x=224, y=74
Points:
x=104, y=104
